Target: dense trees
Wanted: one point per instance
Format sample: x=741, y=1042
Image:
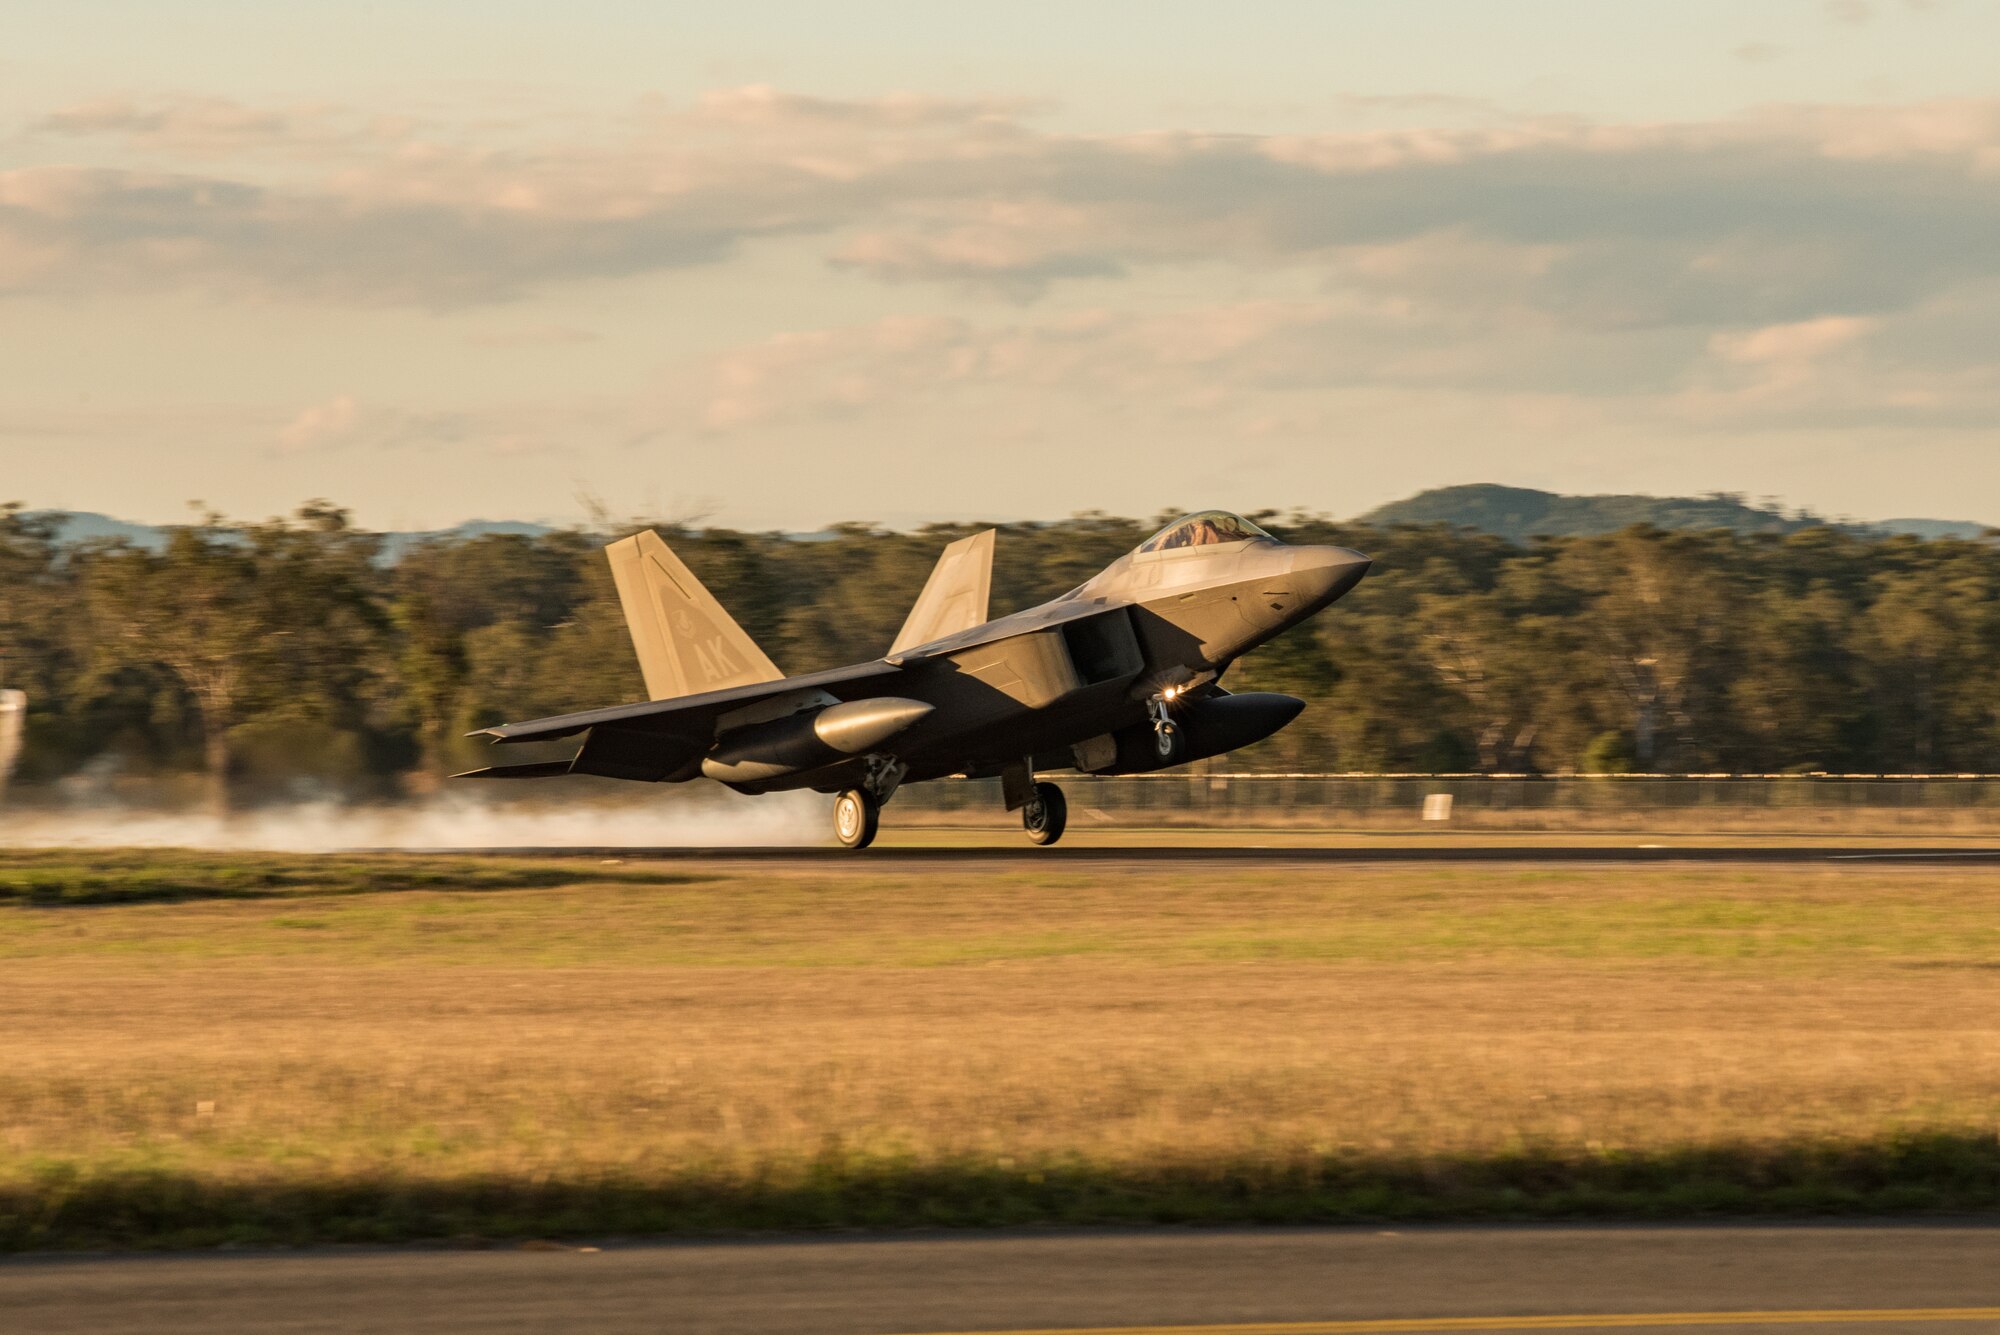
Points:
x=277, y=656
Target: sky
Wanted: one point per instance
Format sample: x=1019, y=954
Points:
x=779, y=266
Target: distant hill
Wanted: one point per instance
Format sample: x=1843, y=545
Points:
x=1928, y=529
x=1521, y=513
x=1514, y=513
x=395, y=544
x=87, y=526
x=80, y=526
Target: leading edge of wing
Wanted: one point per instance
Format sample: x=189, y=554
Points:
x=565, y=725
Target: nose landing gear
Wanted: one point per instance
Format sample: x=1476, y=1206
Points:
x=1166, y=733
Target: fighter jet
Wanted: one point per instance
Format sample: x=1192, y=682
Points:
x=1118, y=676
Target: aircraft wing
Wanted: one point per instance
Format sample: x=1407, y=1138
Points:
x=639, y=741
x=690, y=713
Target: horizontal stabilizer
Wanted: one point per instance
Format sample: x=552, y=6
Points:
x=541, y=769
x=954, y=598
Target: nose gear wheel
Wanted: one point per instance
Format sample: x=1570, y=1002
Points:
x=1166, y=733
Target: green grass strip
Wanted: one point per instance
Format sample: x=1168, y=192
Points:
x=64, y=1205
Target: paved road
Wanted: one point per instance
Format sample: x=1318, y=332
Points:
x=1286, y=1281
x=1268, y=853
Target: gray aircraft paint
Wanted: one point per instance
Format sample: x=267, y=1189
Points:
x=1079, y=682
x=955, y=596
x=686, y=643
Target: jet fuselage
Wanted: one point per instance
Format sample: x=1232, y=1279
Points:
x=1117, y=676
x=1151, y=623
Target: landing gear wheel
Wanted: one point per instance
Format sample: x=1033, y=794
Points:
x=1167, y=741
x=1046, y=814
x=856, y=818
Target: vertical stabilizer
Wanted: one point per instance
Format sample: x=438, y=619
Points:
x=687, y=644
x=954, y=598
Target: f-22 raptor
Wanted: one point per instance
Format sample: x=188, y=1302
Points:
x=1118, y=676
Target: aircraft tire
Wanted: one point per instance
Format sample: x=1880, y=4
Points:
x=856, y=818
x=1046, y=815
x=1167, y=742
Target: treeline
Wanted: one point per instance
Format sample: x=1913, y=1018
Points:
x=280, y=656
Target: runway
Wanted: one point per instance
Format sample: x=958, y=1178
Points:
x=1260, y=854
x=1223, y=1282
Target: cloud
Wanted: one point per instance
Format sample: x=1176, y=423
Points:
x=216, y=127
x=533, y=336
x=1243, y=370
x=321, y=423
x=760, y=104
x=1017, y=248
x=346, y=423
x=202, y=118
x=1802, y=341
x=1227, y=362
x=199, y=120
x=1796, y=366
x=1778, y=216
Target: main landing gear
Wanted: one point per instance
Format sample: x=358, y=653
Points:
x=857, y=812
x=856, y=818
x=1046, y=815
x=1044, y=812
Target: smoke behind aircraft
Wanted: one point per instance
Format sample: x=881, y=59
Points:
x=327, y=827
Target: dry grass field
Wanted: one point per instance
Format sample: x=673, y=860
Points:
x=206, y=1048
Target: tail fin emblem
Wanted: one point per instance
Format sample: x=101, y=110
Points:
x=686, y=643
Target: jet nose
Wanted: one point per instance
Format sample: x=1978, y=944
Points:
x=1322, y=574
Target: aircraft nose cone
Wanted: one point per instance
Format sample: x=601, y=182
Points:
x=1322, y=574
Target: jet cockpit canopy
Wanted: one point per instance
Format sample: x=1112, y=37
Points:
x=1209, y=528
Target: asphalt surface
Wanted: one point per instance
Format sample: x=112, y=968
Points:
x=1285, y=1281
x=1266, y=854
